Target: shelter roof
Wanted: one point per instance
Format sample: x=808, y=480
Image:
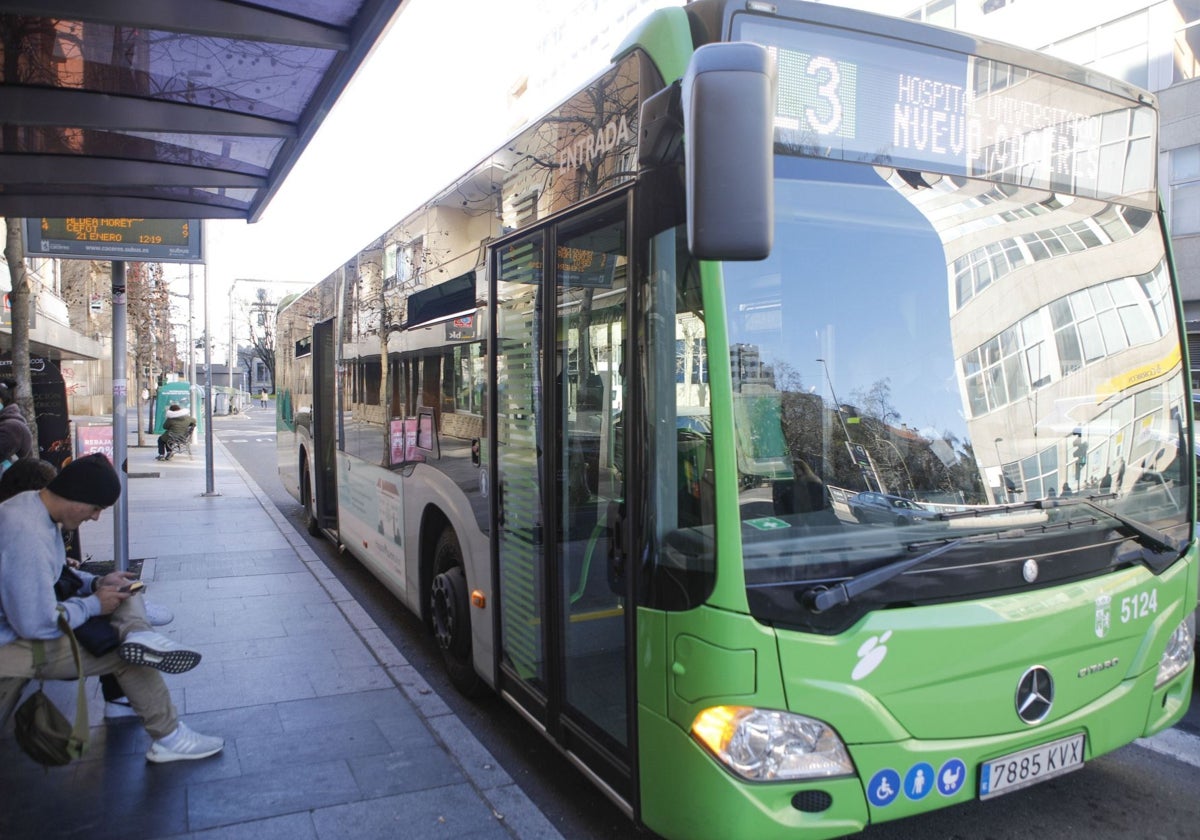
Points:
x=179, y=109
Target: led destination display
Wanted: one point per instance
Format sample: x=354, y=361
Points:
x=851, y=96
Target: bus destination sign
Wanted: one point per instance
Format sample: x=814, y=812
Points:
x=137, y=240
x=860, y=97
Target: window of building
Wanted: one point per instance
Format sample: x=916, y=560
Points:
x=469, y=363
x=1187, y=40
x=389, y=260
x=980, y=268
x=1036, y=476
x=937, y=12
x=1073, y=331
x=1183, y=205
x=409, y=259
x=1119, y=48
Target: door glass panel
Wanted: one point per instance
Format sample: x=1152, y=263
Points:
x=518, y=410
x=591, y=282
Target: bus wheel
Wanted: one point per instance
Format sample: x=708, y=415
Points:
x=450, y=605
x=306, y=499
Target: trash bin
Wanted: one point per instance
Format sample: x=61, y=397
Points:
x=183, y=395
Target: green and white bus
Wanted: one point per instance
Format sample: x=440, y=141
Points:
x=793, y=424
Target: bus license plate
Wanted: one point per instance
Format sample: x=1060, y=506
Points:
x=1028, y=767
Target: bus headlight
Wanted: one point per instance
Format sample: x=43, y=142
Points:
x=767, y=745
x=1179, y=650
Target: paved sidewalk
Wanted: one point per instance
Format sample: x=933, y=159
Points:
x=330, y=733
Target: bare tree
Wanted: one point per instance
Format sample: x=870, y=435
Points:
x=260, y=317
x=27, y=44
x=152, y=342
x=14, y=252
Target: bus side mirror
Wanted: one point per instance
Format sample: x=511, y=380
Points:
x=728, y=118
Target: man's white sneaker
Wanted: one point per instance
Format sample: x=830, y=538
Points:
x=157, y=614
x=184, y=744
x=118, y=710
x=145, y=647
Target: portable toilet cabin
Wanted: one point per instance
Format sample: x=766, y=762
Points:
x=184, y=395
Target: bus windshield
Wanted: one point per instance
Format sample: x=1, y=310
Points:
x=927, y=357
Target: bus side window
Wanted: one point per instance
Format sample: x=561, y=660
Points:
x=695, y=478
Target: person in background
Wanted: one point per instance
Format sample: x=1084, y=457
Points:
x=178, y=426
x=31, y=560
x=26, y=474
x=16, y=441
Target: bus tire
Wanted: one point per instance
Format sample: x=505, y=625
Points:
x=450, y=605
x=311, y=524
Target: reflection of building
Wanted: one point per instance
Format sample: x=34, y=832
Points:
x=1154, y=44
x=50, y=333
x=746, y=363
x=575, y=38
x=1060, y=314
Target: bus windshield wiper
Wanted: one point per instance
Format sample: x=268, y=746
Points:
x=1150, y=538
x=946, y=516
x=821, y=598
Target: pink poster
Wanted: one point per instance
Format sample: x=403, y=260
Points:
x=95, y=439
x=396, y=438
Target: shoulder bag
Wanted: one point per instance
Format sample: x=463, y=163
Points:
x=42, y=731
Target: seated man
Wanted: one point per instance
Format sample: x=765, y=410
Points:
x=31, y=558
x=177, y=427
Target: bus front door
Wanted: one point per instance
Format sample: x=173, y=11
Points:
x=324, y=435
x=564, y=632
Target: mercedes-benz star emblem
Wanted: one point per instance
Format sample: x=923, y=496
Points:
x=1035, y=695
x=1029, y=570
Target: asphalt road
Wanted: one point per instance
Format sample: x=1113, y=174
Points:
x=1134, y=792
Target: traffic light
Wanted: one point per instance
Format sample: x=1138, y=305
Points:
x=1081, y=449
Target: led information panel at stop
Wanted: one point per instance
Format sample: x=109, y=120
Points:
x=139, y=240
x=871, y=99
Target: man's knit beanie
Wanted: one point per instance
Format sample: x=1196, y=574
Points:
x=90, y=479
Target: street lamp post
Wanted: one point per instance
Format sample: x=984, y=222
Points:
x=190, y=370
x=232, y=345
x=209, y=483
x=191, y=365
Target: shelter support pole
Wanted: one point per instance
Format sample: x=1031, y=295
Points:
x=209, y=485
x=120, y=395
